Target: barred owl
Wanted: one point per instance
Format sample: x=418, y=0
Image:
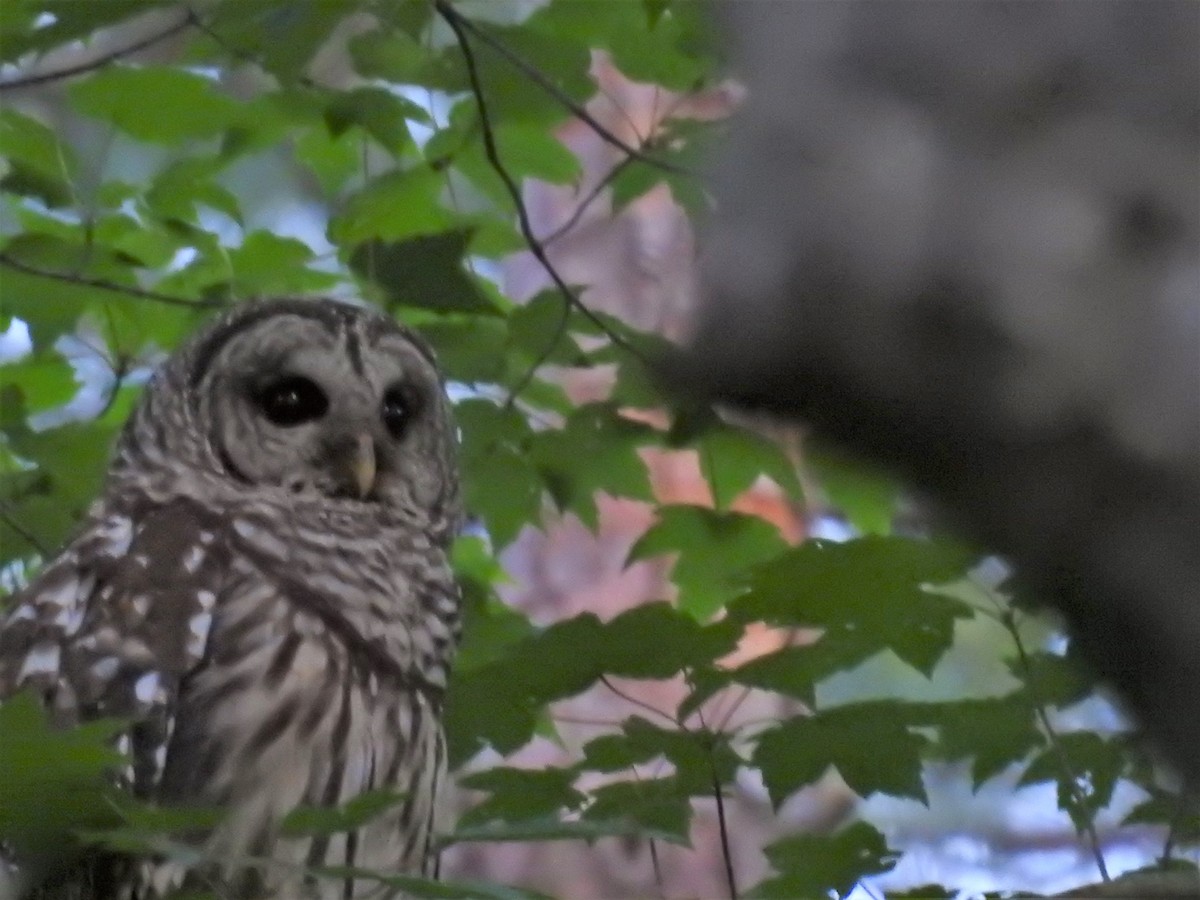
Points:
x=264, y=591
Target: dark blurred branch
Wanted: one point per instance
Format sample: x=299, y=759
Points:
x=871, y=274
x=25, y=81
x=102, y=284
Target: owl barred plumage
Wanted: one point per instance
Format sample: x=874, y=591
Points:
x=264, y=589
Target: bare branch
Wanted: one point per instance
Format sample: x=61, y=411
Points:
x=187, y=21
x=105, y=285
x=459, y=24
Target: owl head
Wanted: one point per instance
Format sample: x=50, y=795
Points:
x=305, y=403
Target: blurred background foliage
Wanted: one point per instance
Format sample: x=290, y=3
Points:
x=714, y=656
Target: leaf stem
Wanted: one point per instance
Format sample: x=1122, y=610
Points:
x=1068, y=773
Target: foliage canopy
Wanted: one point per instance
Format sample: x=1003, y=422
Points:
x=134, y=136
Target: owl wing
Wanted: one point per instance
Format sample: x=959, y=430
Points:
x=111, y=626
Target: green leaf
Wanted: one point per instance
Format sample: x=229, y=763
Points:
x=659, y=807
x=424, y=272
x=849, y=738
x=401, y=58
x=654, y=10
x=1057, y=680
x=873, y=590
x=491, y=628
x=378, y=112
x=712, y=550
x=185, y=105
x=525, y=150
x=521, y=794
x=281, y=37
x=655, y=640
x=321, y=820
x=1086, y=768
x=52, y=780
x=536, y=325
x=994, y=731
x=485, y=708
x=732, y=459
x=24, y=30
x=469, y=349
x=334, y=161
x=814, y=865
x=38, y=164
x=180, y=188
x=796, y=671
x=45, y=380
x=595, y=451
x=49, y=306
x=676, y=53
x=1165, y=807
x=393, y=207
x=698, y=755
x=866, y=497
x=501, y=485
x=267, y=264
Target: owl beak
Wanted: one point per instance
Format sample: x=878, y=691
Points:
x=362, y=464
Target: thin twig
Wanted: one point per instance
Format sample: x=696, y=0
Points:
x=1068, y=772
x=629, y=698
x=726, y=854
x=30, y=80
x=587, y=201
x=493, y=156
x=657, y=867
x=734, y=707
x=104, y=285
x=616, y=170
x=722, y=824
x=459, y=24
x=523, y=382
x=30, y=538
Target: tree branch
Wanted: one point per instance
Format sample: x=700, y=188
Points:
x=187, y=21
x=536, y=247
x=576, y=214
x=105, y=285
x=460, y=24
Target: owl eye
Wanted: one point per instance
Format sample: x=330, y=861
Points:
x=397, y=410
x=292, y=400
